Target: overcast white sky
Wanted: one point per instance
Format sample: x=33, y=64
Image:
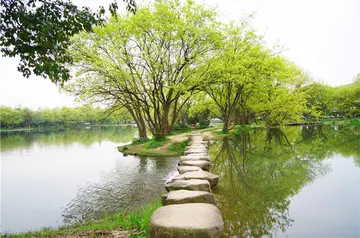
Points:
x=322, y=36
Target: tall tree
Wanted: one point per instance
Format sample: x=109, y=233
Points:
x=235, y=67
x=147, y=62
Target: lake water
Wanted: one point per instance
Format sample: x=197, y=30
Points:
x=294, y=182
x=52, y=178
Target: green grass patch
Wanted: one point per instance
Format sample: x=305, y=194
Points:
x=154, y=143
x=136, y=222
x=178, y=146
x=139, y=141
x=179, y=131
x=355, y=122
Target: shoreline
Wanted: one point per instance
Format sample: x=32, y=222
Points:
x=122, y=224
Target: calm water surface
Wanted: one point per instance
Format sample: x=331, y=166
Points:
x=52, y=178
x=291, y=182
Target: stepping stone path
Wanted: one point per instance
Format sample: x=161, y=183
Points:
x=189, y=209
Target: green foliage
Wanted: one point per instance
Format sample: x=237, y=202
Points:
x=326, y=101
x=319, y=98
x=59, y=117
x=238, y=129
x=154, y=143
x=355, y=122
x=138, y=141
x=178, y=146
x=178, y=129
x=39, y=31
x=147, y=62
x=136, y=222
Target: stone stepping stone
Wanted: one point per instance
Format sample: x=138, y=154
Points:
x=197, y=148
x=185, y=169
x=197, y=154
x=187, y=220
x=193, y=157
x=197, y=145
x=192, y=184
x=198, y=142
x=186, y=196
x=204, y=165
x=212, y=178
x=195, y=151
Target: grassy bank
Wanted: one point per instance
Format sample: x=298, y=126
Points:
x=136, y=224
x=173, y=145
x=155, y=148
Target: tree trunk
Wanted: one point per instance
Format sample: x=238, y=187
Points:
x=225, y=129
x=140, y=123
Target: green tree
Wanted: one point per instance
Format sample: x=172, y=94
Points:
x=347, y=99
x=234, y=68
x=27, y=117
x=10, y=117
x=277, y=99
x=319, y=97
x=147, y=62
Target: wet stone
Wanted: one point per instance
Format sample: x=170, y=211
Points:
x=198, y=220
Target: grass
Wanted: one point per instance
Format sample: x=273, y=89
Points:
x=178, y=146
x=154, y=148
x=153, y=143
x=179, y=131
x=355, y=122
x=136, y=222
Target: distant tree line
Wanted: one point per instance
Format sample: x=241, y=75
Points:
x=60, y=117
x=340, y=101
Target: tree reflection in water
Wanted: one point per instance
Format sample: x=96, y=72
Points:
x=261, y=170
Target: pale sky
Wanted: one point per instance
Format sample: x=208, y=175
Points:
x=322, y=37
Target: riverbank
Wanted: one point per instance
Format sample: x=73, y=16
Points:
x=123, y=224
x=173, y=145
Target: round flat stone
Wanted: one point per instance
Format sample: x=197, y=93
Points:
x=192, y=184
x=195, y=151
x=204, y=165
x=212, y=178
x=198, y=220
x=185, y=169
x=186, y=196
x=195, y=157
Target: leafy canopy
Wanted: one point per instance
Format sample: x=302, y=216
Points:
x=39, y=31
